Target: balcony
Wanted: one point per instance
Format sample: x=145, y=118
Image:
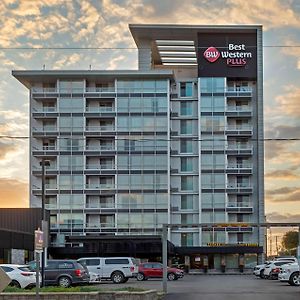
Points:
x=239, y=111
x=100, y=186
x=100, y=167
x=100, y=109
x=239, y=207
x=237, y=188
x=93, y=225
x=245, y=129
x=101, y=148
x=236, y=168
x=110, y=89
x=100, y=128
x=242, y=91
x=45, y=131
x=41, y=90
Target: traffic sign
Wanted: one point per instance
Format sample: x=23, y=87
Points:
x=4, y=280
x=38, y=240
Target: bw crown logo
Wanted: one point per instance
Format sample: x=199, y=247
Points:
x=211, y=54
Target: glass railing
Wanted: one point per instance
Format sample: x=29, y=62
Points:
x=100, y=128
x=233, y=108
x=100, y=167
x=101, y=109
x=45, y=128
x=239, y=166
x=43, y=90
x=240, y=204
x=239, y=147
x=100, y=186
x=245, y=89
x=100, y=205
x=110, y=89
x=101, y=148
x=239, y=127
x=44, y=148
x=239, y=186
x=93, y=225
x=44, y=109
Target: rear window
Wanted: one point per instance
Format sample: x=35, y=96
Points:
x=148, y=266
x=92, y=262
x=65, y=265
x=117, y=261
x=7, y=269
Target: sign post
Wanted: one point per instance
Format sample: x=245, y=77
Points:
x=4, y=280
x=38, y=247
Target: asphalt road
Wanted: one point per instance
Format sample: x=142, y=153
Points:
x=218, y=287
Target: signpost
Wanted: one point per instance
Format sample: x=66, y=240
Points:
x=4, y=280
x=38, y=248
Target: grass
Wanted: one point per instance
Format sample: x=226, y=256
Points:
x=77, y=289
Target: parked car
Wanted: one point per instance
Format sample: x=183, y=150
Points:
x=290, y=273
x=94, y=278
x=21, y=276
x=259, y=269
x=155, y=270
x=272, y=269
x=117, y=269
x=64, y=272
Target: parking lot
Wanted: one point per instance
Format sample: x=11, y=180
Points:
x=213, y=287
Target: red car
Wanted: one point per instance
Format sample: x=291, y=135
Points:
x=155, y=270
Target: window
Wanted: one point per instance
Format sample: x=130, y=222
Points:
x=93, y=262
x=186, y=108
x=186, y=164
x=187, y=183
x=187, y=239
x=7, y=269
x=51, y=265
x=186, y=127
x=186, y=219
x=117, y=261
x=186, y=146
x=65, y=265
x=186, y=89
x=187, y=202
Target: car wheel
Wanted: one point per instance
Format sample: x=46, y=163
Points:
x=125, y=279
x=295, y=279
x=140, y=277
x=117, y=277
x=64, y=282
x=261, y=274
x=171, y=276
x=15, y=283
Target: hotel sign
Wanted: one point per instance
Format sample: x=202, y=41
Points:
x=227, y=54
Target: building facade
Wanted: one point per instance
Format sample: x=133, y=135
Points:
x=178, y=141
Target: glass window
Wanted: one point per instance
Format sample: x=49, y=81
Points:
x=123, y=104
x=186, y=108
x=186, y=89
x=187, y=239
x=186, y=202
x=186, y=219
x=123, y=123
x=70, y=104
x=186, y=183
x=207, y=200
x=206, y=103
x=186, y=146
x=219, y=104
x=186, y=127
x=186, y=164
x=68, y=86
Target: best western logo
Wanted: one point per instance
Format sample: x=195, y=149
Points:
x=236, y=55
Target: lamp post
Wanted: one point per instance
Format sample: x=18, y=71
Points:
x=44, y=163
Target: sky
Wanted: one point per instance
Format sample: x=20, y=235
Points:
x=104, y=23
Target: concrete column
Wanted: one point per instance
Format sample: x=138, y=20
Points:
x=144, y=55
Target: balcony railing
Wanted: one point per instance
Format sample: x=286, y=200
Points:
x=101, y=109
x=44, y=128
x=110, y=89
x=43, y=90
x=239, y=204
x=234, y=108
x=245, y=89
x=100, y=128
x=239, y=166
x=245, y=127
x=44, y=148
x=93, y=225
x=100, y=205
x=239, y=186
x=239, y=147
x=100, y=167
x=100, y=186
x=44, y=110
x=101, y=148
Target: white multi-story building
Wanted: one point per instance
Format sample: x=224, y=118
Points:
x=178, y=141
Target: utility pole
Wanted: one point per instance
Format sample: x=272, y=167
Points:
x=44, y=163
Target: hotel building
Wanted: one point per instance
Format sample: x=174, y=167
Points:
x=178, y=141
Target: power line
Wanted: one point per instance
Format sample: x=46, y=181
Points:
x=129, y=137
x=126, y=48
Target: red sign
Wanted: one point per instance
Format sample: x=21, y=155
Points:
x=211, y=54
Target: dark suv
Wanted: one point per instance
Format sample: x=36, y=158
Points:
x=64, y=272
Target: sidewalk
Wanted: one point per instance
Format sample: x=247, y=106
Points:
x=217, y=272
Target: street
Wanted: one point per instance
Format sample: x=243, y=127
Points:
x=217, y=287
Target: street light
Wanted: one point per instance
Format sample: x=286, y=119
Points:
x=44, y=163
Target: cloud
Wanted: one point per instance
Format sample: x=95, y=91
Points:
x=289, y=103
x=278, y=217
x=282, y=175
x=284, y=194
x=5, y=148
x=13, y=193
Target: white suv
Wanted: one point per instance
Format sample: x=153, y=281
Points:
x=20, y=275
x=290, y=273
x=117, y=269
x=274, y=265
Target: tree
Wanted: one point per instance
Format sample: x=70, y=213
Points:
x=290, y=241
